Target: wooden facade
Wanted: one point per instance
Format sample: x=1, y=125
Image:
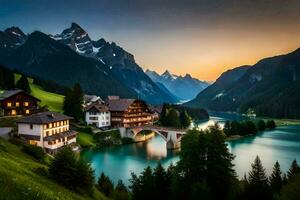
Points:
x=17, y=102
x=130, y=113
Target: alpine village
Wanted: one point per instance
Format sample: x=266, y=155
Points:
x=81, y=119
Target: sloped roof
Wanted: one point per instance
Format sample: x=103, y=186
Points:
x=9, y=93
x=91, y=98
x=119, y=104
x=44, y=118
x=99, y=107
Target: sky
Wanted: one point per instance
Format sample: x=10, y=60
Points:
x=201, y=37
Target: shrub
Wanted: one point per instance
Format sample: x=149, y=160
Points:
x=271, y=124
x=86, y=129
x=34, y=151
x=261, y=125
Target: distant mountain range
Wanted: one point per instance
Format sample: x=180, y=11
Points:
x=102, y=68
x=271, y=87
x=182, y=87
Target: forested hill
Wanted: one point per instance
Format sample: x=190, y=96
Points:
x=271, y=87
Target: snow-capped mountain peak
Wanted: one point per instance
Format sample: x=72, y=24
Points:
x=185, y=87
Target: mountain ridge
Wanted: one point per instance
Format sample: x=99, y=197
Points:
x=114, y=65
x=271, y=87
x=184, y=87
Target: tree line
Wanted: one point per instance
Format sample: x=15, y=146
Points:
x=205, y=171
x=247, y=127
x=172, y=117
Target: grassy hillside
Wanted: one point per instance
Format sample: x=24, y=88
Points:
x=52, y=100
x=18, y=179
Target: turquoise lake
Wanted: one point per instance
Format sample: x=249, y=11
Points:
x=282, y=144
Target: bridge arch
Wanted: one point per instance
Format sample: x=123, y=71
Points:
x=170, y=135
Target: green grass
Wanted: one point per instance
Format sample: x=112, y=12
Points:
x=19, y=181
x=52, y=100
x=86, y=140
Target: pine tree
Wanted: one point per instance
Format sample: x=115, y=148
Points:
x=185, y=119
x=227, y=128
x=121, y=192
x=73, y=102
x=71, y=172
x=220, y=173
x=173, y=118
x=68, y=101
x=276, y=178
x=257, y=186
x=77, y=102
x=23, y=84
x=258, y=173
x=294, y=169
x=7, y=79
x=105, y=185
x=163, y=114
x=160, y=179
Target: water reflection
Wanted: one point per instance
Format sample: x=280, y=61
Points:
x=282, y=144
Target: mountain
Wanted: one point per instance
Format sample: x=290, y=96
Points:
x=102, y=68
x=271, y=87
x=184, y=87
x=40, y=56
x=10, y=39
x=121, y=64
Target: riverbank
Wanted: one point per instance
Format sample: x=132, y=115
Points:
x=281, y=122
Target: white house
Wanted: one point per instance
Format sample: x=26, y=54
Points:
x=97, y=114
x=48, y=130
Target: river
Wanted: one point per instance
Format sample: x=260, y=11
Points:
x=282, y=144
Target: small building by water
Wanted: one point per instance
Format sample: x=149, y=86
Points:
x=129, y=112
x=49, y=130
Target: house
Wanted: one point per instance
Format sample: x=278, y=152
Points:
x=49, y=130
x=90, y=99
x=17, y=102
x=97, y=114
x=129, y=112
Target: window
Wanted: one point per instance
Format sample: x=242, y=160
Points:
x=17, y=104
x=26, y=103
x=31, y=126
x=93, y=118
x=49, y=143
x=50, y=125
x=47, y=133
x=27, y=111
x=8, y=104
x=13, y=112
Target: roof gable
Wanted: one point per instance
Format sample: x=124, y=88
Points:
x=10, y=93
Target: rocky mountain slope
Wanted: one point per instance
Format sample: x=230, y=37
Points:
x=102, y=68
x=183, y=87
x=271, y=87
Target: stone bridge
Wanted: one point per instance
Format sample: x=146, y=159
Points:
x=172, y=136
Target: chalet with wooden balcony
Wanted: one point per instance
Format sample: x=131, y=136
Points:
x=48, y=130
x=17, y=102
x=129, y=112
